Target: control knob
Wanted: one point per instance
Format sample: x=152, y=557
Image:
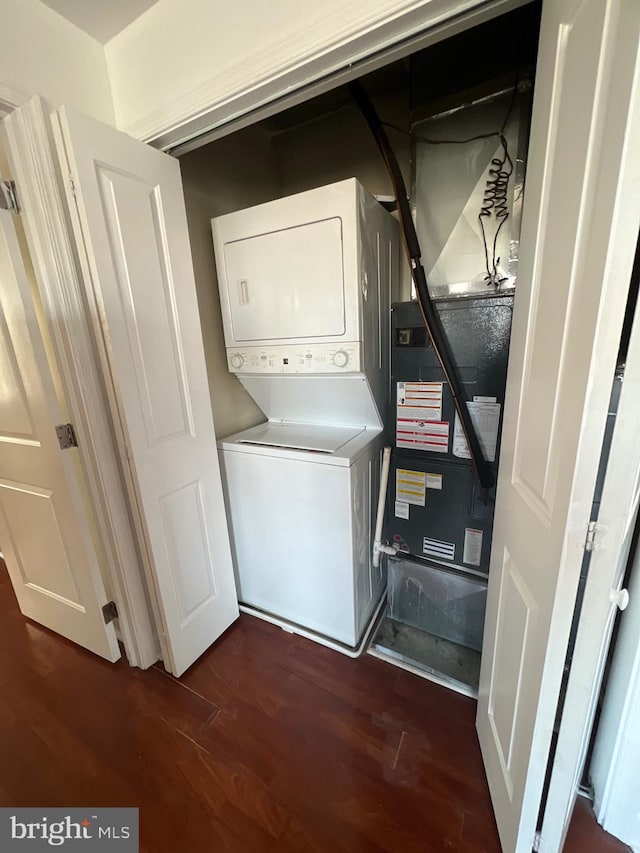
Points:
x=236, y=360
x=340, y=358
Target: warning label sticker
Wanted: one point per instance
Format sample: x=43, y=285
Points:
x=423, y=435
x=420, y=400
x=418, y=414
x=472, y=552
x=410, y=486
x=402, y=509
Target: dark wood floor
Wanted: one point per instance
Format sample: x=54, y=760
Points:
x=269, y=743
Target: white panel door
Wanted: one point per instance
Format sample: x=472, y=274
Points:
x=129, y=219
x=44, y=533
x=567, y=319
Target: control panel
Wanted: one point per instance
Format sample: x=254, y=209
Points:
x=315, y=358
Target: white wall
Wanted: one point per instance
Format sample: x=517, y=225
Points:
x=340, y=145
x=42, y=53
x=235, y=172
x=183, y=57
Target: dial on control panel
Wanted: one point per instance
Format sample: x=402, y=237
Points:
x=340, y=358
x=236, y=360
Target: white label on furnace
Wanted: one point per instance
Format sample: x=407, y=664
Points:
x=434, y=481
x=402, y=509
x=418, y=413
x=472, y=552
x=486, y=419
x=478, y=399
x=420, y=400
x=410, y=487
x=423, y=435
x=437, y=548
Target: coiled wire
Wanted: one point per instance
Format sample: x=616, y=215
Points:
x=495, y=203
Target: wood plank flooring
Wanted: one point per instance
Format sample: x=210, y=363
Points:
x=268, y=743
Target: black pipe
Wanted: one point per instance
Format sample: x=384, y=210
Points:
x=428, y=310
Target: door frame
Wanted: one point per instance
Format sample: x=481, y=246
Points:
x=29, y=149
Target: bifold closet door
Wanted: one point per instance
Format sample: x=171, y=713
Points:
x=44, y=526
x=128, y=214
x=579, y=228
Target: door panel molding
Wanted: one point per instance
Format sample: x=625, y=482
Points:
x=538, y=434
x=163, y=373
x=178, y=521
x=19, y=494
x=21, y=429
x=507, y=673
x=45, y=223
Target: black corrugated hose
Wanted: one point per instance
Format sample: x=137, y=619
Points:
x=429, y=312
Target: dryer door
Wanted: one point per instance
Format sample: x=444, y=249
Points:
x=287, y=284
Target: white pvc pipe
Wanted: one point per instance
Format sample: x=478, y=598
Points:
x=378, y=547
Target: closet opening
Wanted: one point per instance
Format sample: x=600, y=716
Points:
x=457, y=114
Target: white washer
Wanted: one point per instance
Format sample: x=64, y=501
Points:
x=301, y=504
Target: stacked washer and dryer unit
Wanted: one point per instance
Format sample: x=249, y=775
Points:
x=305, y=285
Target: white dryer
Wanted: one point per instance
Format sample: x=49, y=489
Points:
x=305, y=288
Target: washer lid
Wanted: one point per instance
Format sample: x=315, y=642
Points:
x=320, y=439
x=341, y=400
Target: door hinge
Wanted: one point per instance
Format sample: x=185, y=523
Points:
x=72, y=186
x=536, y=842
x=593, y=528
x=66, y=436
x=109, y=612
x=9, y=196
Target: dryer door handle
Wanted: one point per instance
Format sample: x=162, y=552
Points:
x=243, y=292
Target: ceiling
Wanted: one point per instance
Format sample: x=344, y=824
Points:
x=101, y=19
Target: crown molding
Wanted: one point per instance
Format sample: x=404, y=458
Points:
x=350, y=35
x=12, y=96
